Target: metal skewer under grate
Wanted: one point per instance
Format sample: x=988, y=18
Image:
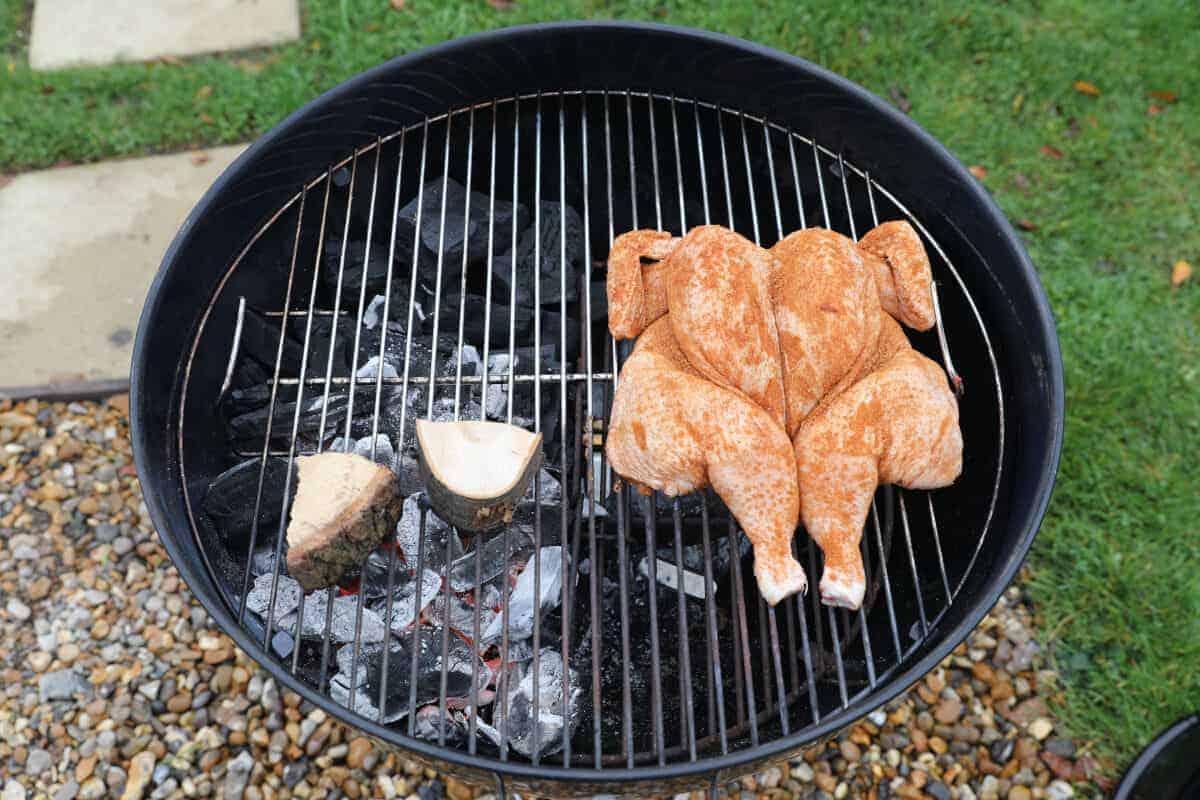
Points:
x=652, y=654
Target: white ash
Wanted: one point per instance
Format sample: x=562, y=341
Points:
x=287, y=596
x=543, y=735
x=438, y=534
x=468, y=356
x=519, y=544
x=496, y=394
x=587, y=505
x=446, y=410
x=384, y=453
x=263, y=561
x=549, y=490
x=428, y=724
x=461, y=615
x=489, y=596
x=370, y=370
x=667, y=574
x=342, y=620
x=407, y=607
x=523, y=605
x=374, y=311
x=519, y=651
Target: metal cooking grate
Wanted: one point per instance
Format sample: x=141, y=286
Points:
x=655, y=663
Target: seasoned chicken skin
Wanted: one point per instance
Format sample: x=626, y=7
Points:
x=805, y=334
x=674, y=431
x=716, y=286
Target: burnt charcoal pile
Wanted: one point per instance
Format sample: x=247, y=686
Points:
x=503, y=621
x=423, y=604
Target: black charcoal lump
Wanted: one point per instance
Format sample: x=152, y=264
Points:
x=232, y=496
x=542, y=255
x=348, y=267
x=458, y=228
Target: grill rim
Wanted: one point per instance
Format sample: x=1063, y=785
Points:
x=146, y=430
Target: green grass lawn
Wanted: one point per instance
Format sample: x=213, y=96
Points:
x=1111, y=184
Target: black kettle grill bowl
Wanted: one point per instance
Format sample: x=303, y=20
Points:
x=998, y=324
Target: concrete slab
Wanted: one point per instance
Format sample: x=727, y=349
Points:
x=73, y=32
x=78, y=248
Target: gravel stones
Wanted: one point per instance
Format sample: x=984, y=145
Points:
x=62, y=684
x=37, y=762
x=237, y=777
x=17, y=610
x=948, y=711
x=1040, y=728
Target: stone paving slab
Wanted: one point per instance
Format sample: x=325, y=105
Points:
x=74, y=32
x=78, y=248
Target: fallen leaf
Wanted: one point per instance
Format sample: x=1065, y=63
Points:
x=1180, y=273
x=1026, y=225
x=1021, y=181
x=500, y=5
x=207, y=120
x=200, y=158
x=372, y=27
x=5, y=180
x=47, y=89
x=1050, y=150
x=1061, y=767
x=978, y=171
x=1085, y=768
x=1018, y=101
x=397, y=5
x=1166, y=97
x=316, y=45
x=1083, y=87
x=900, y=98
x=203, y=93
x=1153, y=109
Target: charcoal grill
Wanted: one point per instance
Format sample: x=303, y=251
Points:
x=681, y=676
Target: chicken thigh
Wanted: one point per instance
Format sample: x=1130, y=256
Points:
x=674, y=431
x=897, y=425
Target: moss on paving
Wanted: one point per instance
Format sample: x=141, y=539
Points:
x=1112, y=188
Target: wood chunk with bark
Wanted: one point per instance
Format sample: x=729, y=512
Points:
x=345, y=506
x=476, y=472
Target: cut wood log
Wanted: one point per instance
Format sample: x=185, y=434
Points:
x=345, y=506
x=476, y=472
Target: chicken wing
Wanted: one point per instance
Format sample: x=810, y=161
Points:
x=676, y=432
x=902, y=273
x=637, y=290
